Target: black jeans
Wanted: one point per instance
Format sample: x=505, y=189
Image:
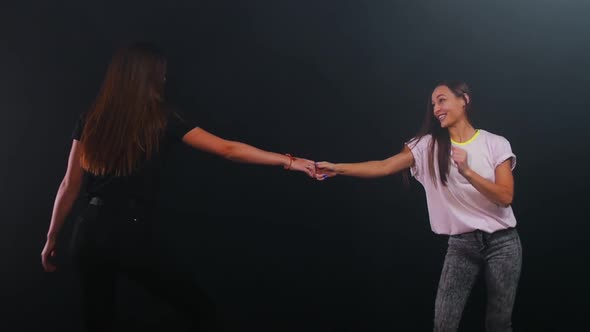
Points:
x=499, y=255
x=115, y=239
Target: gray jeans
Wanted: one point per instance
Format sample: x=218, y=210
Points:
x=499, y=257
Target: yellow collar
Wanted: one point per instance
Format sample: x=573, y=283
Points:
x=468, y=141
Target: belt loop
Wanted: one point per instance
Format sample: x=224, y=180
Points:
x=485, y=238
x=480, y=237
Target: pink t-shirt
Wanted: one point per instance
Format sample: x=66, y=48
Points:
x=458, y=207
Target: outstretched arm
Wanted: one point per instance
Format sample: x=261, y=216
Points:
x=244, y=153
x=367, y=169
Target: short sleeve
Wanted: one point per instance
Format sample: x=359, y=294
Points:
x=419, y=149
x=502, y=151
x=179, y=123
x=77, y=132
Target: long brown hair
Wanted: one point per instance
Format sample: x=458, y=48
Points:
x=440, y=136
x=124, y=124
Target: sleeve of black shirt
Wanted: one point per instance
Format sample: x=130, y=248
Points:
x=77, y=132
x=180, y=123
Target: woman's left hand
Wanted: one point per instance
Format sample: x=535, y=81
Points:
x=47, y=254
x=303, y=165
x=459, y=157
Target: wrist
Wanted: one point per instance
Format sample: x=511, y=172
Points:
x=467, y=173
x=51, y=235
x=288, y=164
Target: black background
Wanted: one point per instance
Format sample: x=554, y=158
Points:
x=342, y=81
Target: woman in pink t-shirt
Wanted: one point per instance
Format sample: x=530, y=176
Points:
x=469, y=186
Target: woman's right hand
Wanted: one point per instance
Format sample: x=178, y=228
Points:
x=325, y=170
x=47, y=254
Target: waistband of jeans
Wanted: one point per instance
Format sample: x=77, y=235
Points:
x=480, y=233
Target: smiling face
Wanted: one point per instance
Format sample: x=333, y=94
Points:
x=448, y=108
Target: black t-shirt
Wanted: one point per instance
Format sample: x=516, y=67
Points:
x=142, y=184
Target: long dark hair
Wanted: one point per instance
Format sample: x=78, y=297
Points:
x=441, y=141
x=125, y=122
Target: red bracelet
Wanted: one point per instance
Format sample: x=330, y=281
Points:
x=291, y=159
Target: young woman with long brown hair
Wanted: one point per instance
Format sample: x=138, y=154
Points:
x=467, y=177
x=118, y=146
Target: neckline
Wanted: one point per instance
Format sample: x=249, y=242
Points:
x=467, y=141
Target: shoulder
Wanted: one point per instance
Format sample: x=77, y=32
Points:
x=172, y=111
x=176, y=113
x=419, y=141
x=492, y=138
x=76, y=133
x=82, y=117
x=496, y=144
x=179, y=123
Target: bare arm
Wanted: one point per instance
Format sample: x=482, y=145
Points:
x=68, y=191
x=369, y=169
x=244, y=153
x=501, y=191
x=66, y=196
